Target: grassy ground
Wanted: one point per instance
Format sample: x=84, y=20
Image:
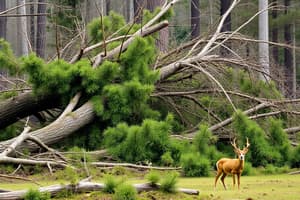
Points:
x=262, y=187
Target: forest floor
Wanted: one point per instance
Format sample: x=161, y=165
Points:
x=260, y=187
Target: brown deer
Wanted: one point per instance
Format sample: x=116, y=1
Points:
x=227, y=166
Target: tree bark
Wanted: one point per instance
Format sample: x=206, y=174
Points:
x=138, y=7
x=225, y=5
x=23, y=105
x=275, y=51
x=41, y=29
x=84, y=186
x=288, y=57
x=195, y=18
x=23, y=28
x=263, y=35
x=163, y=40
x=32, y=25
x=3, y=20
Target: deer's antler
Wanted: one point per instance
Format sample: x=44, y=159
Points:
x=234, y=144
x=247, y=143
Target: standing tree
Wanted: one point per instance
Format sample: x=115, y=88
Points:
x=32, y=24
x=41, y=29
x=23, y=36
x=138, y=7
x=195, y=18
x=163, y=40
x=263, y=35
x=288, y=57
x=225, y=4
x=275, y=50
x=3, y=20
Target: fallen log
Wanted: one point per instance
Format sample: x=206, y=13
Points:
x=84, y=186
x=130, y=165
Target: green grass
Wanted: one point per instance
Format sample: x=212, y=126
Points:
x=262, y=187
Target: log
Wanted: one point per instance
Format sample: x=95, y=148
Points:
x=84, y=186
x=130, y=165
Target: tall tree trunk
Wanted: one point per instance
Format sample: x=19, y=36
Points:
x=41, y=30
x=23, y=28
x=163, y=40
x=107, y=6
x=3, y=20
x=263, y=34
x=288, y=57
x=195, y=18
x=129, y=10
x=138, y=7
x=32, y=25
x=275, y=51
x=225, y=4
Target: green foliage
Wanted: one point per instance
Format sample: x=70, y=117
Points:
x=33, y=194
x=194, y=164
x=139, y=143
x=9, y=132
x=279, y=141
x=110, y=24
x=295, y=160
x=153, y=177
x=78, y=154
x=260, y=153
x=248, y=169
x=70, y=175
x=135, y=61
x=125, y=192
x=167, y=159
x=7, y=58
x=110, y=184
x=169, y=181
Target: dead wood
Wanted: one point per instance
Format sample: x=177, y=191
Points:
x=84, y=186
x=130, y=165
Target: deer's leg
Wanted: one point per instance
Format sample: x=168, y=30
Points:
x=222, y=179
x=217, y=177
x=238, y=179
x=233, y=176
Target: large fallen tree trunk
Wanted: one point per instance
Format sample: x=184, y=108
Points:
x=24, y=105
x=83, y=186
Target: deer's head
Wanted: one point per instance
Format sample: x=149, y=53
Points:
x=240, y=152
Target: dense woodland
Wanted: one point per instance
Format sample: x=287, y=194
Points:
x=149, y=82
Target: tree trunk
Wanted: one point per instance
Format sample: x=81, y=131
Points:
x=225, y=4
x=163, y=40
x=32, y=25
x=129, y=10
x=23, y=28
x=41, y=29
x=288, y=57
x=107, y=6
x=24, y=105
x=138, y=7
x=263, y=35
x=3, y=20
x=275, y=51
x=195, y=18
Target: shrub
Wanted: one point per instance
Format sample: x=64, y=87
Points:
x=153, y=177
x=110, y=184
x=167, y=159
x=125, y=192
x=168, y=183
x=195, y=165
x=295, y=160
x=248, y=170
x=34, y=194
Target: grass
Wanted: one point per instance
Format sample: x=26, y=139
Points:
x=262, y=187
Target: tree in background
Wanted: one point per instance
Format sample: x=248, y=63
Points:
x=195, y=18
x=290, y=88
x=263, y=35
x=3, y=20
x=41, y=29
x=163, y=40
x=23, y=27
x=224, y=6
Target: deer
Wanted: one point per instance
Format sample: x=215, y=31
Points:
x=227, y=166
